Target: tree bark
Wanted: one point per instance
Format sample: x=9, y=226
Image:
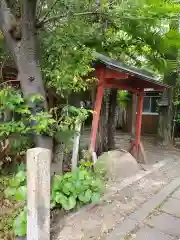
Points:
x=165, y=120
x=107, y=126
x=111, y=118
x=24, y=52
x=102, y=135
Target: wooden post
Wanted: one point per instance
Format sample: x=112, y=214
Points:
x=96, y=115
x=136, y=146
x=38, y=196
x=139, y=118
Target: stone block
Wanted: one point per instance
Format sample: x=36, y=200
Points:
x=166, y=224
x=148, y=233
x=171, y=206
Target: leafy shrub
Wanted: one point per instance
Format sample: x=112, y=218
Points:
x=76, y=188
x=68, y=192
x=17, y=190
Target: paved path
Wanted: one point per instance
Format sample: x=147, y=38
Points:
x=157, y=219
x=131, y=209
x=144, y=207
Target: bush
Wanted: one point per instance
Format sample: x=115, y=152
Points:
x=76, y=188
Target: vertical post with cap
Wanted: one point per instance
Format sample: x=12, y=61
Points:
x=38, y=194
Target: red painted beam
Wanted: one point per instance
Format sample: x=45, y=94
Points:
x=99, y=71
x=112, y=74
x=122, y=87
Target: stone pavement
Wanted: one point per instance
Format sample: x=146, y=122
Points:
x=156, y=219
x=127, y=207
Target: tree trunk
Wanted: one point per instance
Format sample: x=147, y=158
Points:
x=102, y=137
x=107, y=126
x=24, y=52
x=111, y=119
x=165, y=120
x=166, y=113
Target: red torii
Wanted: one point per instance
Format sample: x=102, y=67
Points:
x=113, y=74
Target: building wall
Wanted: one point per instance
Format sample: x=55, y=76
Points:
x=149, y=122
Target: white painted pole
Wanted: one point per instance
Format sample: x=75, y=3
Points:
x=38, y=196
x=74, y=160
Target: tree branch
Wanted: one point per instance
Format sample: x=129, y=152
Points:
x=9, y=81
x=49, y=10
x=42, y=22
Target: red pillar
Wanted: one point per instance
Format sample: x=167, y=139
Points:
x=96, y=115
x=139, y=117
x=137, y=147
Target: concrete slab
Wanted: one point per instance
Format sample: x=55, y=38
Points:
x=172, y=206
x=150, y=205
x=166, y=224
x=176, y=194
x=148, y=233
x=121, y=232
x=138, y=216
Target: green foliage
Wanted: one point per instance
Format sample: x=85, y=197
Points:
x=17, y=187
x=10, y=209
x=20, y=223
x=21, y=122
x=76, y=188
x=123, y=98
x=24, y=122
x=68, y=191
x=20, y=144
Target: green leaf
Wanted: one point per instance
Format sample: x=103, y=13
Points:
x=95, y=197
x=96, y=185
x=79, y=186
x=20, y=230
x=82, y=174
x=14, y=182
x=67, y=188
x=20, y=224
x=59, y=198
x=20, y=176
x=10, y=192
x=21, y=193
x=86, y=196
x=68, y=175
x=57, y=182
x=69, y=204
x=18, y=179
